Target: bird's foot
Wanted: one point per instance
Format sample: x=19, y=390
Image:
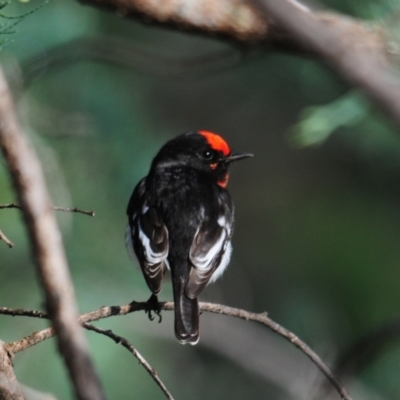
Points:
x=153, y=305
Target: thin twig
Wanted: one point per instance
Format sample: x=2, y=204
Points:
x=108, y=311
x=46, y=244
x=66, y=209
x=116, y=338
x=11, y=205
x=123, y=342
x=6, y=240
x=25, y=313
x=75, y=210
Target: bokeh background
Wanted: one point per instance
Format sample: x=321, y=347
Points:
x=317, y=209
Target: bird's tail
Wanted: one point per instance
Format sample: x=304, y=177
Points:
x=186, y=313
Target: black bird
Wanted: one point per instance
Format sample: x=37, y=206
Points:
x=181, y=218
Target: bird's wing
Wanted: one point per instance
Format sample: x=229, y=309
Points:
x=210, y=249
x=149, y=237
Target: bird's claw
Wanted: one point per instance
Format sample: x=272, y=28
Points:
x=153, y=306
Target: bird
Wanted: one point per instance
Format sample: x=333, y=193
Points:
x=181, y=219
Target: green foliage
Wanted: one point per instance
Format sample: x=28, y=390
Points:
x=319, y=122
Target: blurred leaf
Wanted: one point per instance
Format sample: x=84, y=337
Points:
x=319, y=122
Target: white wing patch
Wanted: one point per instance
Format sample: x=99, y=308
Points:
x=223, y=264
x=211, y=249
x=205, y=262
x=151, y=256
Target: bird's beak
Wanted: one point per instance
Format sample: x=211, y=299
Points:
x=236, y=157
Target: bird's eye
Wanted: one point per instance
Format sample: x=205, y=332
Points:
x=208, y=154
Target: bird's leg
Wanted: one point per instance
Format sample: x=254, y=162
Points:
x=153, y=305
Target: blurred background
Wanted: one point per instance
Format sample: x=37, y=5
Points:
x=317, y=209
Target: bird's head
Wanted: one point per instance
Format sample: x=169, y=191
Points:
x=201, y=150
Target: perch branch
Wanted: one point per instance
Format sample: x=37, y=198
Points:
x=109, y=311
x=116, y=338
x=46, y=245
x=142, y=361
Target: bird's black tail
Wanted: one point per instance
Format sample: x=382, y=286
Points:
x=186, y=313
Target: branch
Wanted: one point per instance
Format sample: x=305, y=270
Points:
x=358, y=50
x=21, y=312
x=105, y=312
x=236, y=18
x=45, y=334
x=46, y=244
x=142, y=361
x=66, y=209
x=6, y=240
x=263, y=319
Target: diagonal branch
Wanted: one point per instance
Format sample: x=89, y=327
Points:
x=105, y=312
x=123, y=342
x=46, y=245
x=110, y=334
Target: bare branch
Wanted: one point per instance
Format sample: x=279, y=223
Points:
x=6, y=240
x=46, y=244
x=66, y=209
x=40, y=336
x=236, y=18
x=123, y=342
x=75, y=210
x=11, y=205
x=358, y=50
x=21, y=312
x=116, y=338
x=261, y=318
